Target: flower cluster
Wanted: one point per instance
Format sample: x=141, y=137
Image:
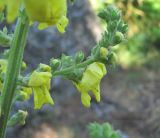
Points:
x=85, y=73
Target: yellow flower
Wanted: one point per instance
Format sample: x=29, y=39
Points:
x=12, y=9
x=46, y=12
x=40, y=82
x=91, y=82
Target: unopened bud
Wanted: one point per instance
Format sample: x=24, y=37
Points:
x=18, y=118
x=114, y=13
x=55, y=63
x=112, y=58
x=125, y=28
x=24, y=66
x=79, y=57
x=22, y=96
x=6, y=54
x=119, y=37
x=44, y=67
x=112, y=25
x=103, y=53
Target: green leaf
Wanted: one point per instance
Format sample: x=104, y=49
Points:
x=102, y=131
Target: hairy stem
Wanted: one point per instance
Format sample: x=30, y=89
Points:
x=13, y=69
x=70, y=69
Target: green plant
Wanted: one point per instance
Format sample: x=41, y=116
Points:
x=84, y=73
x=142, y=47
x=102, y=131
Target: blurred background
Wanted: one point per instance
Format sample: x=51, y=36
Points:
x=130, y=91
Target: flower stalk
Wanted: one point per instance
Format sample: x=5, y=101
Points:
x=70, y=69
x=13, y=69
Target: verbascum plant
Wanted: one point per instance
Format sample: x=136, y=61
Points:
x=85, y=73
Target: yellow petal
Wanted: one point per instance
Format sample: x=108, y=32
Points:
x=48, y=13
x=45, y=67
x=42, y=26
x=86, y=99
x=96, y=92
x=61, y=24
x=38, y=10
x=39, y=78
x=41, y=97
x=12, y=9
x=27, y=91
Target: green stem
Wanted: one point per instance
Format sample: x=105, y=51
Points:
x=70, y=69
x=13, y=69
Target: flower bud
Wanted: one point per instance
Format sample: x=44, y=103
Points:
x=79, y=57
x=104, y=15
x=44, y=67
x=21, y=96
x=55, y=64
x=114, y=13
x=124, y=28
x=18, y=118
x=119, y=37
x=112, y=26
x=24, y=66
x=103, y=53
x=110, y=13
x=95, y=51
x=112, y=58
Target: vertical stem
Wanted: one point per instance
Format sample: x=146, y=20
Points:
x=13, y=69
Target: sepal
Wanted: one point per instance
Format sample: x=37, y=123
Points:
x=18, y=118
